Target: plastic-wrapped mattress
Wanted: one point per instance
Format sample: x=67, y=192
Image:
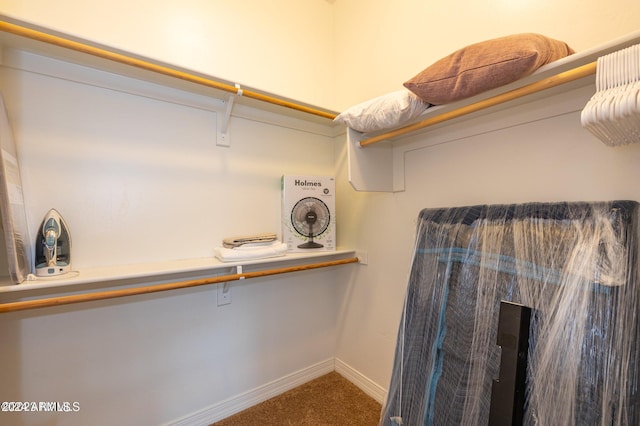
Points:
x=573, y=264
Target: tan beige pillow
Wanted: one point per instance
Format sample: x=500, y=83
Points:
x=485, y=65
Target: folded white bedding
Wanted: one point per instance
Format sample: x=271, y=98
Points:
x=251, y=251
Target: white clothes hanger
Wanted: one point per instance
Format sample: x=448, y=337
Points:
x=613, y=112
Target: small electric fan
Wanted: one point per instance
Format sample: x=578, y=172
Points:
x=310, y=217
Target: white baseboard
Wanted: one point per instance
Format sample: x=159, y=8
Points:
x=235, y=404
x=367, y=385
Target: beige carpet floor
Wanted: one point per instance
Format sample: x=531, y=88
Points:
x=330, y=400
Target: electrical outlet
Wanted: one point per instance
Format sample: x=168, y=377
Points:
x=224, y=294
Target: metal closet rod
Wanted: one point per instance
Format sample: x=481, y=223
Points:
x=155, y=288
x=546, y=83
x=160, y=69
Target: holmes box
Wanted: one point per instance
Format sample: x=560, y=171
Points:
x=309, y=213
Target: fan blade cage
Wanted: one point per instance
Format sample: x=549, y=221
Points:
x=310, y=217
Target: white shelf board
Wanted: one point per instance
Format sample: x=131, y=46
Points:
x=159, y=271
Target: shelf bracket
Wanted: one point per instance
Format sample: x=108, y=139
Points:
x=223, y=122
x=372, y=169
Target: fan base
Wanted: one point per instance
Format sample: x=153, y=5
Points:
x=310, y=245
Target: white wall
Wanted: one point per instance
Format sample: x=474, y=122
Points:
x=150, y=360
x=140, y=179
x=120, y=165
x=282, y=46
